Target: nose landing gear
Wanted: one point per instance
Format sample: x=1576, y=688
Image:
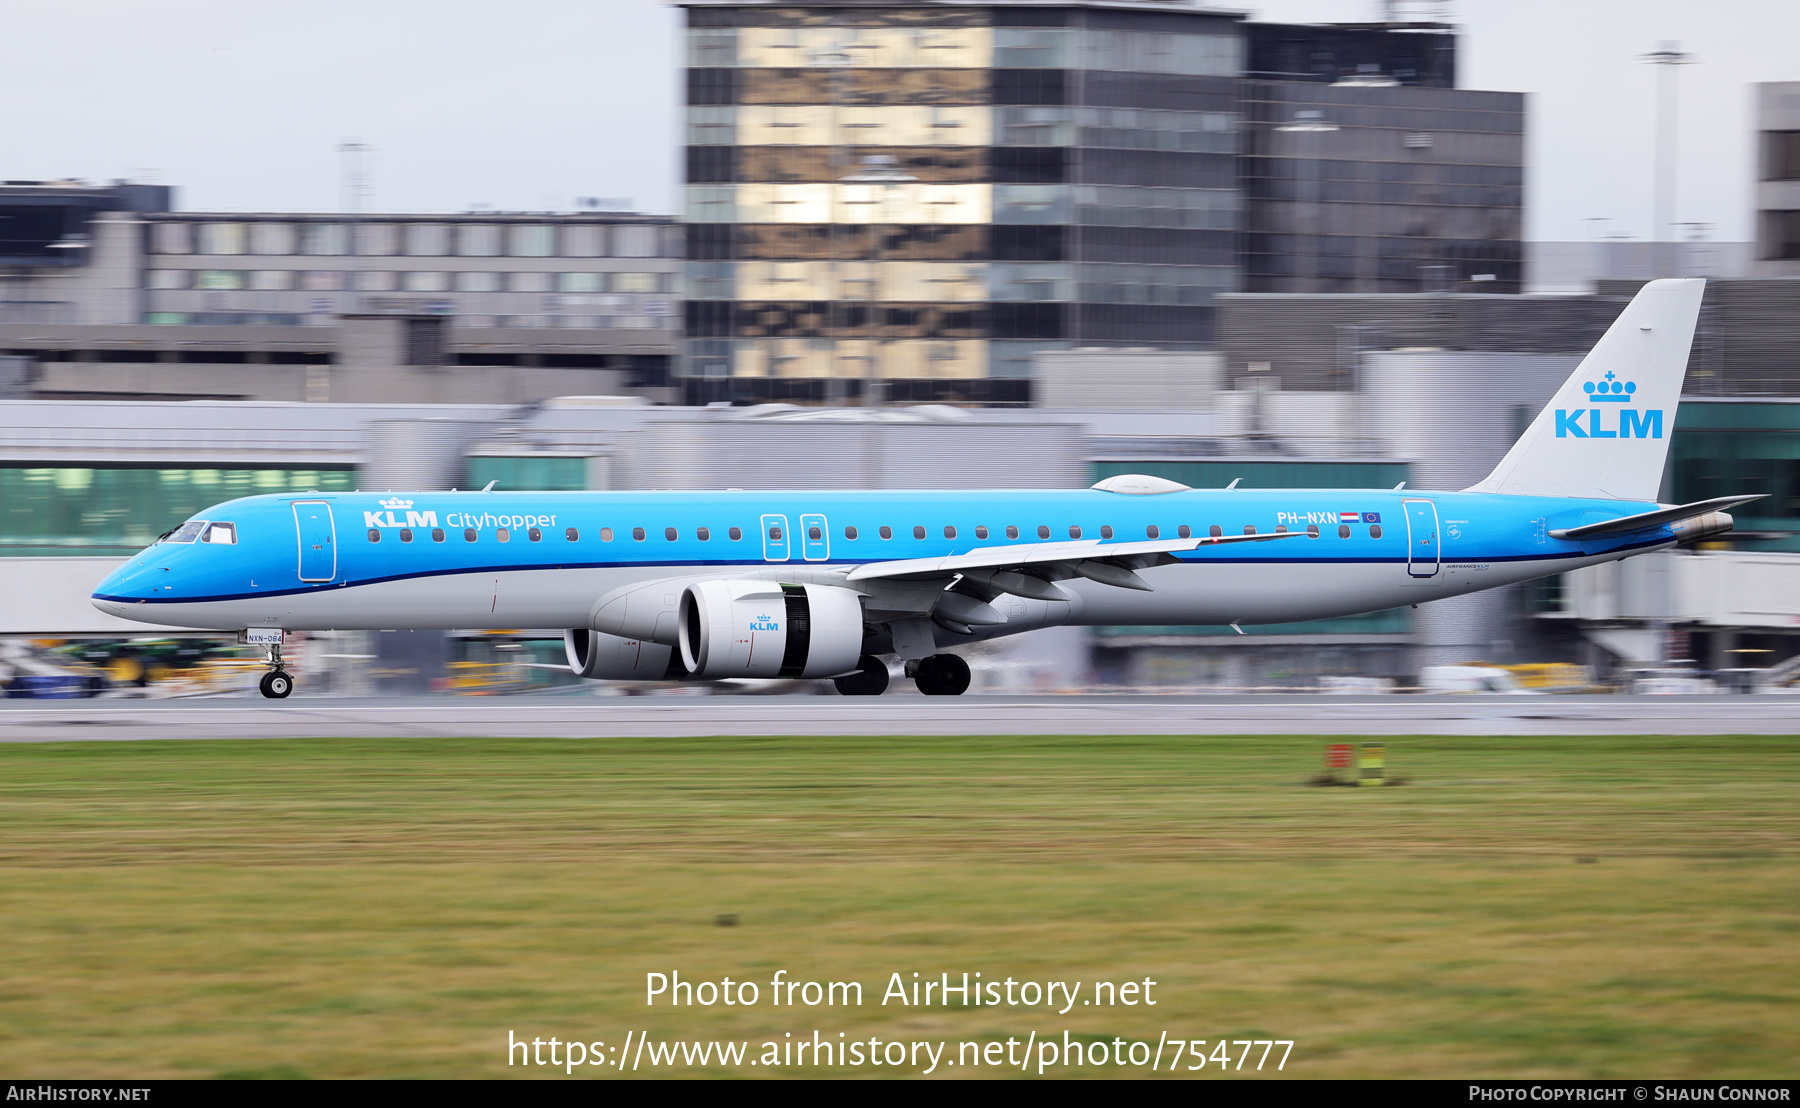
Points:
x=277, y=683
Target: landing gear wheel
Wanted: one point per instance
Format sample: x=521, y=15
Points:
x=870, y=678
x=276, y=685
x=942, y=675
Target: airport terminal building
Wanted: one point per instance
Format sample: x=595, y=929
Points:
x=107, y=293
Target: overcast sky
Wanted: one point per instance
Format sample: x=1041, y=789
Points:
x=528, y=104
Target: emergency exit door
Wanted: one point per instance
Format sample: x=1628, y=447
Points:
x=815, y=538
x=318, y=540
x=775, y=538
x=1422, y=547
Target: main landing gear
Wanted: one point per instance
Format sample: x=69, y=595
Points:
x=940, y=675
x=870, y=678
x=277, y=683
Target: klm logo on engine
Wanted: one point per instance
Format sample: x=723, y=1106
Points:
x=1591, y=423
x=764, y=623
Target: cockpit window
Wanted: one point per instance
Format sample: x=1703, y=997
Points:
x=225, y=533
x=187, y=532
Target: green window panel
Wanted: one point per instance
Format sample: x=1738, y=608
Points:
x=1720, y=449
x=1701, y=415
x=1265, y=475
x=99, y=510
x=1705, y=464
x=529, y=474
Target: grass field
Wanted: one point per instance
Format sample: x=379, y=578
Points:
x=376, y=908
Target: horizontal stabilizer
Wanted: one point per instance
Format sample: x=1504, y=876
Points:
x=1651, y=519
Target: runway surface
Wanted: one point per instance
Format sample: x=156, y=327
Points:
x=675, y=716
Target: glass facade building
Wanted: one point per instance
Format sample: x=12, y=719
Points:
x=909, y=201
x=1382, y=187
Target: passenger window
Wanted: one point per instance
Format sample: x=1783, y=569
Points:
x=606, y=534
x=814, y=534
x=1011, y=531
x=669, y=533
x=405, y=534
x=1043, y=531
x=1106, y=530
x=886, y=531
x=949, y=532
x=849, y=532
x=1249, y=528
x=534, y=535
x=1281, y=528
x=437, y=534
x=702, y=534
x=637, y=533
x=981, y=532
x=1215, y=531
x=1074, y=531
x=1312, y=532
x=1374, y=530
x=502, y=534
x=1343, y=530
x=736, y=533
x=918, y=532
x=572, y=535
x=468, y=534
x=374, y=535
x=775, y=534
x=1153, y=532
x=224, y=533
x=1184, y=532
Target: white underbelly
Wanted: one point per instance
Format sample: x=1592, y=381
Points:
x=1291, y=592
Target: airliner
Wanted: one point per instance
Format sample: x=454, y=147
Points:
x=703, y=586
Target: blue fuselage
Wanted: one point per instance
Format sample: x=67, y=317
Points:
x=541, y=559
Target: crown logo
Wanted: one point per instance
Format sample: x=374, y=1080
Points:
x=1609, y=391
x=396, y=502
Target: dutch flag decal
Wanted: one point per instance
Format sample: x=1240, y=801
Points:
x=1349, y=517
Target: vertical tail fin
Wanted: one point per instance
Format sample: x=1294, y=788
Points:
x=1606, y=432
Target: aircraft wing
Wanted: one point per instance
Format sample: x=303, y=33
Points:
x=1651, y=519
x=1107, y=562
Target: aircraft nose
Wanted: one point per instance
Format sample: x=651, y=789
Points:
x=129, y=584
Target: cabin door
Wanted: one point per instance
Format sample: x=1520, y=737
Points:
x=1422, y=546
x=815, y=538
x=775, y=538
x=318, y=540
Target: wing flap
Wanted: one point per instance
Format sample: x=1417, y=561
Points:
x=1022, y=555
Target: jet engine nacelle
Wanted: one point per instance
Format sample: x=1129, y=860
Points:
x=600, y=656
x=747, y=628
x=1699, y=527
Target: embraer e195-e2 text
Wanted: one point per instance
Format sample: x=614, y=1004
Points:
x=748, y=584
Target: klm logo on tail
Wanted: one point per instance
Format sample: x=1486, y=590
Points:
x=1632, y=422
